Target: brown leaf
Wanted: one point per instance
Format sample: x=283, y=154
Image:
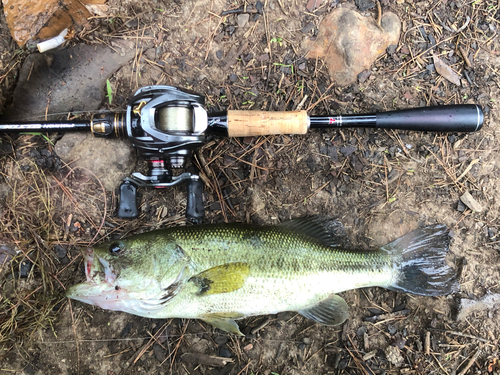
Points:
x=446, y=71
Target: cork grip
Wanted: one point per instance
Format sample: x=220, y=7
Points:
x=251, y=123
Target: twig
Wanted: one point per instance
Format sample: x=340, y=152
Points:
x=379, y=17
x=427, y=343
x=471, y=362
x=460, y=334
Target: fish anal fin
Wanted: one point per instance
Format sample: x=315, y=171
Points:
x=222, y=279
x=329, y=312
x=224, y=321
x=329, y=232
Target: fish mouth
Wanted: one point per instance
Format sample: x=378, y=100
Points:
x=100, y=287
x=97, y=270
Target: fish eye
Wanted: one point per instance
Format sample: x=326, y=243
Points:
x=116, y=248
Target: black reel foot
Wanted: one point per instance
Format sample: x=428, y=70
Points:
x=195, y=209
x=127, y=201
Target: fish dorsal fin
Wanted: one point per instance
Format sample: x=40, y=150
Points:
x=329, y=312
x=221, y=279
x=327, y=231
x=224, y=321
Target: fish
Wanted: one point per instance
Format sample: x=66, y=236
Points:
x=221, y=273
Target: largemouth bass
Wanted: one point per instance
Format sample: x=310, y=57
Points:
x=221, y=273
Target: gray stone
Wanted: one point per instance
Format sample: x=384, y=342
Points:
x=72, y=79
x=349, y=42
x=470, y=202
x=69, y=80
x=243, y=20
x=111, y=160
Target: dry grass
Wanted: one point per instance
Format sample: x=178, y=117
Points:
x=34, y=220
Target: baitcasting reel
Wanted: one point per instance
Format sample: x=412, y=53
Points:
x=165, y=125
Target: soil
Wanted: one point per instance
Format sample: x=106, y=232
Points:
x=379, y=184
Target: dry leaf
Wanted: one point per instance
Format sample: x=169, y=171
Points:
x=446, y=71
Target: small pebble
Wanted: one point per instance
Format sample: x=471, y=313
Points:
x=243, y=20
x=25, y=268
x=221, y=340
x=460, y=206
x=363, y=76
x=224, y=352
x=61, y=253
x=348, y=150
x=470, y=202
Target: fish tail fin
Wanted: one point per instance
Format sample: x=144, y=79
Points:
x=420, y=262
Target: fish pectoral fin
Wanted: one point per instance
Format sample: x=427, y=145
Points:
x=329, y=312
x=222, y=279
x=224, y=322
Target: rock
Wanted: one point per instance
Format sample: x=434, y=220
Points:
x=243, y=20
x=393, y=355
x=307, y=28
x=361, y=331
x=60, y=251
x=468, y=306
x=312, y=5
x=363, y=76
x=111, y=160
x=391, y=329
x=364, y=5
x=221, y=340
x=392, y=49
x=470, y=202
x=348, y=150
x=73, y=80
x=224, y=352
x=30, y=20
x=349, y=42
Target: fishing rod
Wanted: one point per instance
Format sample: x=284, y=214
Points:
x=166, y=124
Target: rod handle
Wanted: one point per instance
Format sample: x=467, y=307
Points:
x=446, y=118
x=253, y=123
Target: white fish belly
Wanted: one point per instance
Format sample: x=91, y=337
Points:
x=270, y=295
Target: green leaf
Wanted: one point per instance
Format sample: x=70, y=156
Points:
x=109, y=91
x=392, y=199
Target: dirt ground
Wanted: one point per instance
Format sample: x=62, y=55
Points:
x=379, y=184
